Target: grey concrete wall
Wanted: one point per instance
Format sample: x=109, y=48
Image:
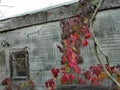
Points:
x=31, y=19
x=40, y=32
x=107, y=31
x=41, y=41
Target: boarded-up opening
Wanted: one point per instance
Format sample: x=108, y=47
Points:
x=19, y=68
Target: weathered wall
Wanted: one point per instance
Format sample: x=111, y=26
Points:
x=107, y=30
x=40, y=32
x=31, y=19
x=41, y=41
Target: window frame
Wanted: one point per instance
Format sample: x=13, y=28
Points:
x=13, y=67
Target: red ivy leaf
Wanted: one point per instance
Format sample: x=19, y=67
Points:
x=64, y=78
x=46, y=84
x=65, y=58
x=77, y=19
x=112, y=69
x=81, y=81
x=71, y=77
x=87, y=75
x=77, y=69
x=88, y=35
x=93, y=79
x=96, y=70
x=85, y=43
x=74, y=37
x=50, y=83
x=72, y=64
x=55, y=72
x=6, y=81
x=85, y=29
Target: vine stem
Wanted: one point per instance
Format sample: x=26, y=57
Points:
x=92, y=32
x=97, y=45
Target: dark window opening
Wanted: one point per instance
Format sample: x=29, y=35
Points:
x=19, y=65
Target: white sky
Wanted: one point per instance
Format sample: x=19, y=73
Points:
x=10, y=8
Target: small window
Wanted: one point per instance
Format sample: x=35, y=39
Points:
x=19, y=65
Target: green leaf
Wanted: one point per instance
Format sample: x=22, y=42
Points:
x=68, y=70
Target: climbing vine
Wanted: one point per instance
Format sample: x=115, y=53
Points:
x=75, y=34
x=76, y=31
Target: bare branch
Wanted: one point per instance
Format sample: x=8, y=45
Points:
x=6, y=6
x=2, y=15
x=97, y=46
x=91, y=24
